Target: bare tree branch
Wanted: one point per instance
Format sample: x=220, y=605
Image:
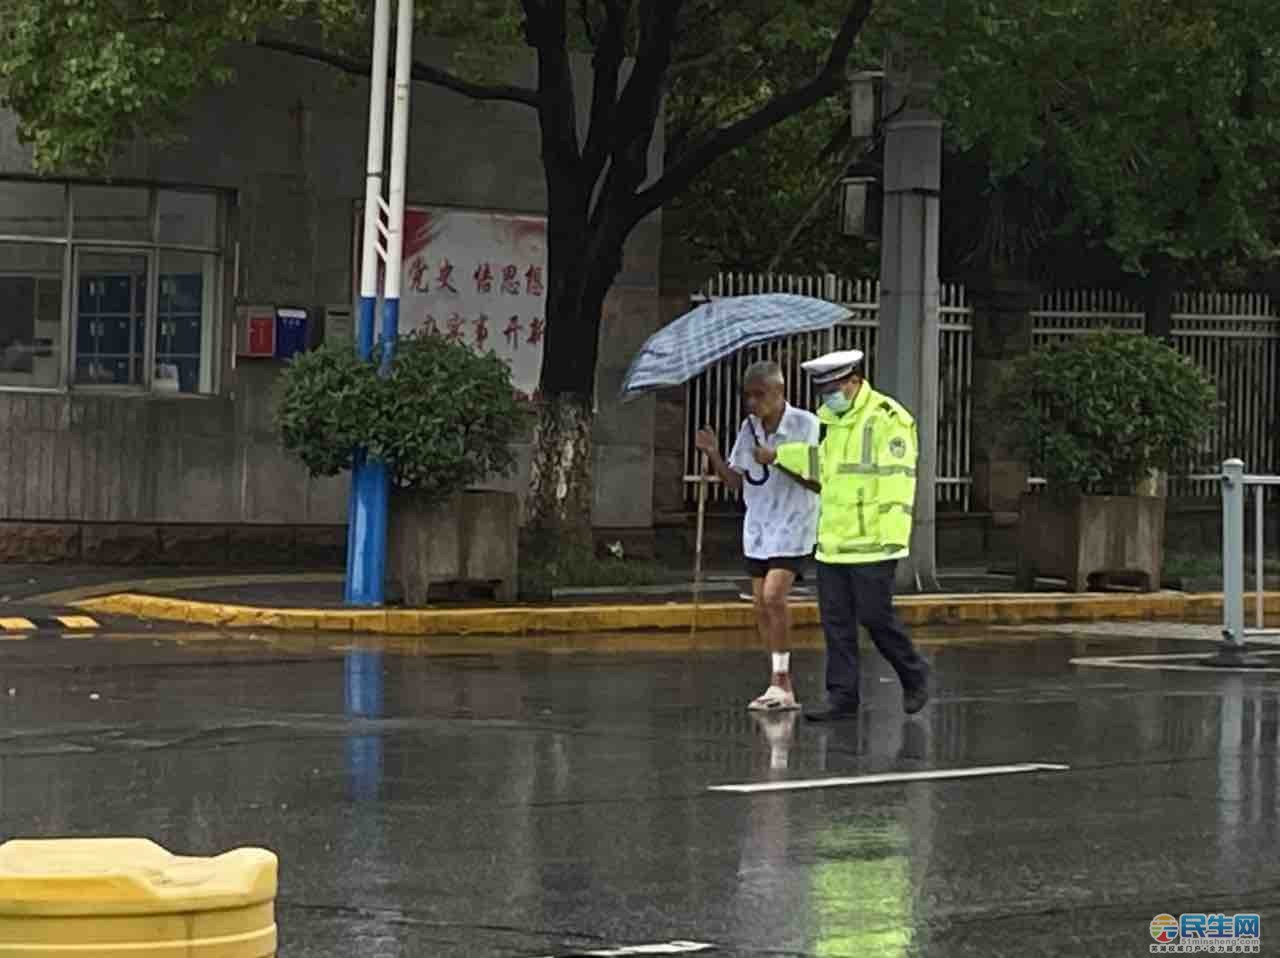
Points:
x=548, y=32
x=861, y=149
x=678, y=136
x=689, y=64
x=638, y=109
x=423, y=72
x=589, y=28
x=823, y=193
x=607, y=62
x=678, y=177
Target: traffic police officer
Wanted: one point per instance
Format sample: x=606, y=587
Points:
x=866, y=465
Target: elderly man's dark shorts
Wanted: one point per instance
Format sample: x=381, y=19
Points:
x=759, y=568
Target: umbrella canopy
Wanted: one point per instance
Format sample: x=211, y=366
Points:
x=704, y=336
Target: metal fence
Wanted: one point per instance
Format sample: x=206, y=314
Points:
x=1234, y=338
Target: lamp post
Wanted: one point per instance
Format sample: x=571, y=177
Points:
x=383, y=224
x=910, y=301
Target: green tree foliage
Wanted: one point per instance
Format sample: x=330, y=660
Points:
x=742, y=213
x=1158, y=116
x=1098, y=414
x=1146, y=127
x=85, y=77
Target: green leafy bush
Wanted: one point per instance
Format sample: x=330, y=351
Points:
x=443, y=419
x=329, y=398
x=1099, y=414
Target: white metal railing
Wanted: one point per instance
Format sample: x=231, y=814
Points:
x=1233, y=337
x=714, y=398
x=1235, y=484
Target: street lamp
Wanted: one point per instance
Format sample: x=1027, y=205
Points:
x=866, y=102
x=860, y=196
x=861, y=206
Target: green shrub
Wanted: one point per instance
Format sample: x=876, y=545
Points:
x=1100, y=413
x=443, y=419
x=327, y=403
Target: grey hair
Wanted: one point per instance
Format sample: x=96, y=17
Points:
x=766, y=371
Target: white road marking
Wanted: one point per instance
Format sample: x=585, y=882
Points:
x=669, y=948
x=1171, y=663
x=886, y=778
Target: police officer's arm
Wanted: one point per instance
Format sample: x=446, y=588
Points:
x=801, y=461
x=813, y=438
x=897, y=454
x=807, y=483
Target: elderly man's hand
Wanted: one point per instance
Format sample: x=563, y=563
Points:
x=765, y=456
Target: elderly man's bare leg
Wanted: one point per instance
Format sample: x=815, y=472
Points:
x=773, y=619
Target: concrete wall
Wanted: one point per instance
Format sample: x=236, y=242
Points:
x=289, y=138
x=108, y=479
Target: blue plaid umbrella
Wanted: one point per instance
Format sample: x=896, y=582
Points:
x=678, y=352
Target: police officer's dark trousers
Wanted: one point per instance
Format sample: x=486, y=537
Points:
x=863, y=593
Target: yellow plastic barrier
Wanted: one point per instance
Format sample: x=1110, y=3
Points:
x=117, y=897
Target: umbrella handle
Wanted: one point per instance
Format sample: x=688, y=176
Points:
x=755, y=437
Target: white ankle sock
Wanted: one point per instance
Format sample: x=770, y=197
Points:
x=781, y=663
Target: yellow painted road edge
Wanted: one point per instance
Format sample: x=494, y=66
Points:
x=934, y=610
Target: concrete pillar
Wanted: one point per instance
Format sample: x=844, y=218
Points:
x=1001, y=335
x=906, y=363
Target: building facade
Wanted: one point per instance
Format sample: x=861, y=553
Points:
x=132, y=427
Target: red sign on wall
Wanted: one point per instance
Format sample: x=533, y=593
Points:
x=478, y=278
x=257, y=333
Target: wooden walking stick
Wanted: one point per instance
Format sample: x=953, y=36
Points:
x=697, y=554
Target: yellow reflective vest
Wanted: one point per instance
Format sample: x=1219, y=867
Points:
x=866, y=463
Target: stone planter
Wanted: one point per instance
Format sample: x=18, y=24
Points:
x=470, y=539
x=1085, y=536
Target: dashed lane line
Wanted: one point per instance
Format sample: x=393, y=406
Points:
x=664, y=948
x=1179, y=662
x=890, y=778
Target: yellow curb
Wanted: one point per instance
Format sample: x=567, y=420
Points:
x=173, y=584
x=932, y=610
x=81, y=622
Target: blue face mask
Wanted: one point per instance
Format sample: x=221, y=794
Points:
x=837, y=402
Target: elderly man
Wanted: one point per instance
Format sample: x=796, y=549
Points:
x=781, y=523
x=866, y=465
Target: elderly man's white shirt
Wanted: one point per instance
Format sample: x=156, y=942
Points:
x=782, y=515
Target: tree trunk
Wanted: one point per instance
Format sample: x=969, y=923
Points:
x=596, y=195
x=558, y=510
x=581, y=267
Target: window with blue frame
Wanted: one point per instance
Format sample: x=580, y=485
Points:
x=109, y=286
x=180, y=328
x=184, y=322
x=111, y=319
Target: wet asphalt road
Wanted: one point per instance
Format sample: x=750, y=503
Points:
x=533, y=803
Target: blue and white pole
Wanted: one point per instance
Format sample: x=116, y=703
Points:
x=370, y=483
x=399, y=174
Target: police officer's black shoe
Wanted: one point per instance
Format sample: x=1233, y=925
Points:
x=832, y=714
x=913, y=700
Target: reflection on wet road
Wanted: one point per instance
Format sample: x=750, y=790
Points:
x=532, y=803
